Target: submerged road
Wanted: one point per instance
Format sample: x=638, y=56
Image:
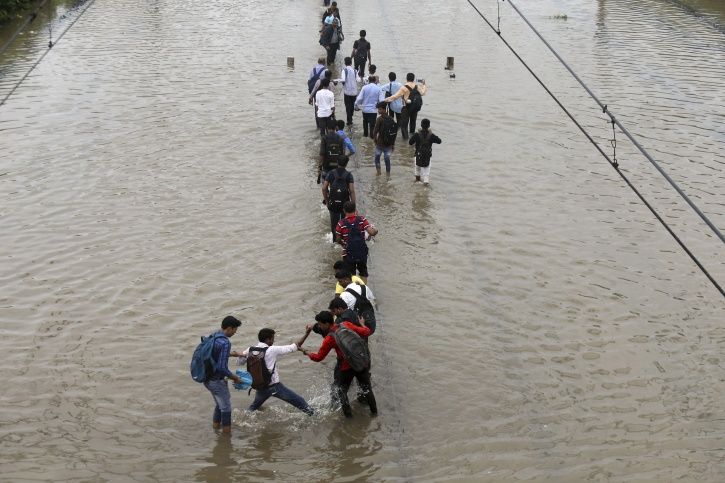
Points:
x=157, y=172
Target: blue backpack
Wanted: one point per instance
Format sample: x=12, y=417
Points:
x=202, y=362
x=356, y=249
x=311, y=83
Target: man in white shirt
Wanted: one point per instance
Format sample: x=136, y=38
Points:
x=276, y=388
x=349, y=88
x=358, y=298
x=324, y=105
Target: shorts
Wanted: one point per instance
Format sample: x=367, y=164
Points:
x=361, y=267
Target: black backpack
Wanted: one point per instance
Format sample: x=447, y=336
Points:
x=416, y=100
x=339, y=192
x=356, y=249
x=353, y=348
x=334, y=149
x=257, y=367
x=388, y=131
x=424, y=150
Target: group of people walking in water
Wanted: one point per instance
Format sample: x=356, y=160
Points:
x=350, y=319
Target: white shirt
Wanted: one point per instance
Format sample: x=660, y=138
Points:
x=325, y=101
x=349, y=79
x=270, y=357
x=350, y=298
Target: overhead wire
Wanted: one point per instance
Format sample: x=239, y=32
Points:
x=613, y=163
x=50, y=46
x=622, y=128
x=30, y=18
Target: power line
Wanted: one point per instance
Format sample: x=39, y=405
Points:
x=50, y=46
x=614, y=163
x=606, y=110
x=30, y=18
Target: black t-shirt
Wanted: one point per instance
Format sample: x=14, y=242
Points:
x=362, y=46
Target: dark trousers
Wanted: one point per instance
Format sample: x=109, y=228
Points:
x=369, y=122
x=282, y=392
x=412, y=118
x=402, y=125
x=407, y=121
x=349, y=107
x=363, y=382
x=334, y=218
x=360, y=67
x=322, y=123
x=332, y=52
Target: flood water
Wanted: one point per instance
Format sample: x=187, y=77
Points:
x=157, y=173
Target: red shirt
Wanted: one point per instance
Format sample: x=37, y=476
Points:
x=328, y=343
x=342, y=231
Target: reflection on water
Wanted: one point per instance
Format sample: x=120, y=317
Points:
x=222, y=467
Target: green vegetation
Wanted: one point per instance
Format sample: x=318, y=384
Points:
x=10, y=8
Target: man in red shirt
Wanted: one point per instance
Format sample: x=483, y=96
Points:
x=350, y=233
x=346, y=373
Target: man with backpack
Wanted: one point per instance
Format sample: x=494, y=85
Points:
x=384, y=134
x=340, y=265
x=332, y=149
x=330, y=39
x=342, y=312
x=358, y=297
x=412, y=100
x=210, y=366
x=315, y=74
x=395, y=107
x=350, y=233
x=361, y=53
x=345, y=138
x=338, y=188
x=347, y=339
x=423, y=141
x=262, y=365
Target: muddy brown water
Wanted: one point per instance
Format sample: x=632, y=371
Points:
x=157, y=173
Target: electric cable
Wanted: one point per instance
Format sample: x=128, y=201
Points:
x=30, y=18
x=623, y=129
x=50, y=46
x=614, y=164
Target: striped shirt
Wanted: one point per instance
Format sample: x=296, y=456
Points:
x=220, y=352
x=342, y=231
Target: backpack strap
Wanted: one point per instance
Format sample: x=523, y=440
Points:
x=354, y=294
x=264, y=349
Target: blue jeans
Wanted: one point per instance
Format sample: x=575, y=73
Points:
x=385, y=151
x=280, y=391
x=222, y=400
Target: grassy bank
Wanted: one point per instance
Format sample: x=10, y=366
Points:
x=10, y=8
